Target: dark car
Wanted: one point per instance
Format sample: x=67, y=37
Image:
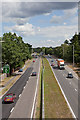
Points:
x=52, y=64
x=20, y=70
x=70, y=75
x=9, y=97
x=34, y=74
x=52, y=60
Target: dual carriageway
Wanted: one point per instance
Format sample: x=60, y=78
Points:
x=26, y=90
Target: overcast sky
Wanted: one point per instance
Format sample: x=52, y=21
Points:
x=40, y=23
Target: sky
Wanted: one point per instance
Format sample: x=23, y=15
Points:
x=41, y=24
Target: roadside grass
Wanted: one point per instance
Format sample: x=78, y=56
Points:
x=76, y=69
x=54, y=103
x=9, y=85
x=5, y=80
x=37, y=111
x=12, y=82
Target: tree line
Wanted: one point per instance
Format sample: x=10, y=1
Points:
x=65, y=50
x=14, y=51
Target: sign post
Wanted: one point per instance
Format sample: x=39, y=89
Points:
x=6, y=69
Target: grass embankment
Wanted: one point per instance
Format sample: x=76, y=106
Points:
x=37, y=113
x=4, y=81
x=76, y=69
x=54, y=103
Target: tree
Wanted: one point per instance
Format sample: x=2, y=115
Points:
x=14, y=50
x=66, y=42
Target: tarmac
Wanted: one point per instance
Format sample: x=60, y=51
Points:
x=66, y=67
x=70, y=70
x=1, y=88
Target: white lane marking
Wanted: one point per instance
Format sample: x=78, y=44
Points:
x=12, y=109
x=20, y=95
x=75, y=89
x=70, y=83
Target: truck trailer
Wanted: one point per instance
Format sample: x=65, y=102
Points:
x=60, y=63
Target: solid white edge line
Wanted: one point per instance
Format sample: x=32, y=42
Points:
x=32, y=111
x=12, y=109
x=64, y=94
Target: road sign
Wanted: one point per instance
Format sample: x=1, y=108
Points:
x=6, y=69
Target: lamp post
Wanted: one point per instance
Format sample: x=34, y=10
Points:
x=73, y=55
x=63, y=52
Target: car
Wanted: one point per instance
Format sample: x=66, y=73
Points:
x=9, y=97
x=34, y=73
x=20, y=70
x=33, y=60
x=70, y=75
x=52, y=60
x=52, y=64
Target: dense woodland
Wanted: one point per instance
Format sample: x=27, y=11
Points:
x=14, y=51
x=65, y=51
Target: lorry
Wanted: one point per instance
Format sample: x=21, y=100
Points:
x=60, y=63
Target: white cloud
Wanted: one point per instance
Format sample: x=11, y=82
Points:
x=52, y=32
x=46, y=14
x=64, y=32
x=25, y=10
x=74, y=20
x=64, y=23
x=25, y=30
x=21, y=13
x=70, y=15
x=49, y=40
x=56, y=19
x=70, y=12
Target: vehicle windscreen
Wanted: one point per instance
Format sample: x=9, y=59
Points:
x=9, y=96
x=62, y=65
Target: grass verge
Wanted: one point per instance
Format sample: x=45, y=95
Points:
x=37, y=113
x=75, y=69
x=54, y=103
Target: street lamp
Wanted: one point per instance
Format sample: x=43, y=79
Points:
x=73, y=55
x=63, y=52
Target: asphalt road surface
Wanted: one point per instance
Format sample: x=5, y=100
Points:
x=18, y=88
x=69, y=86
x=24, y=105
